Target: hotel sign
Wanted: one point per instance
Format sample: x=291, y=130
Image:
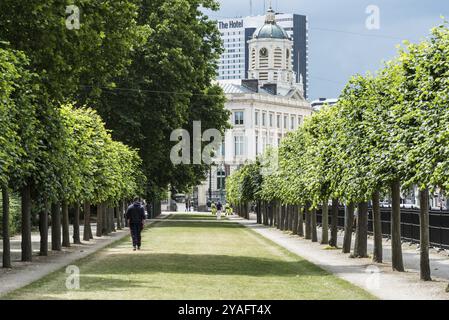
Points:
x=231, y=24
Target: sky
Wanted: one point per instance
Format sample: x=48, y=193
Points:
x=340, y=44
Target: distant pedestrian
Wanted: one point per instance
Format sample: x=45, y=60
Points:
x=219, y=210
x=213, y=208
x=135, y=215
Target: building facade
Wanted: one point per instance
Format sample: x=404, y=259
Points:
x=264, y=107
x=235, y=61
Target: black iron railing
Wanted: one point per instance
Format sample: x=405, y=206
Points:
x=438, y=224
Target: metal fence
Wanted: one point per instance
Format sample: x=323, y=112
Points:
x=438, y=224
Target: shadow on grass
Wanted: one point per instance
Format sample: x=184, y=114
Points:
x=88, y=284
x=205, y=264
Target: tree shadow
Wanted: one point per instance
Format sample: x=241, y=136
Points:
x=206, y=264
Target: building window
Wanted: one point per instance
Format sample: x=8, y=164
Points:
x=264, y=144
x=238, y=118
x=292, y=123
x=278, y=121
x=256, y=116
x=221, y=180
x=238, y=145
x=222, y=149
x=271, y=120
x=264, y=120
x=257, y=145
x=285, y=122
x=299, y=120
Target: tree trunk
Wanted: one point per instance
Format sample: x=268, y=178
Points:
x=76, y=224
x=87, y=233
x=118, y=214
x=43, y=229
x=349, y=218
x=279, y=214
x=123, y=211
x=27, y=250
x=55, y=227
x=361, y=236
x=282, y=221
x=313, y=226
x=308, y=222
x=334, y=224
x=396, y=246
x=113, y=219
x=106, y=220
x=290, y=218
x=377, y=229
x=295, y=219
x=99, y=232
x=5, y=231
x=424, y=234
x=65, y=225
x=106, y=225
x=325, y=223
x=300, y=222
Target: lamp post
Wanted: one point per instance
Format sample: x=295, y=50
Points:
x=210, y=183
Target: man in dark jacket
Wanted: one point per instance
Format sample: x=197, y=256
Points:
x=136, y=217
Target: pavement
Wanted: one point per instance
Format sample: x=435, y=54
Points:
x=376, y=278
x=24, y=273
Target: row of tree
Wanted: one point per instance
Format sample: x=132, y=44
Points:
x=388, y=131
x=57, y=158
x=145, y=66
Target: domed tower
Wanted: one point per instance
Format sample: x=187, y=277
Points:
x=270, y=55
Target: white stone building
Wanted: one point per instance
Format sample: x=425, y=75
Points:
x=264, y=108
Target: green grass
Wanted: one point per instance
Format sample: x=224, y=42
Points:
x=195, y=216
x=195, y=260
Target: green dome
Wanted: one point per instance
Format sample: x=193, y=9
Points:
x=270, y=30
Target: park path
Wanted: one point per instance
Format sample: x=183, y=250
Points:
x=376, y=278
x=24, y=273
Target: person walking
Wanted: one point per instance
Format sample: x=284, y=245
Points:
x=219, y=209
x=135, y=215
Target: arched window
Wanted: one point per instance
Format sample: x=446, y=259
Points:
x=221, y=179
x=263, y=58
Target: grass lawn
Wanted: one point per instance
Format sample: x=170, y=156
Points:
x=195, y=216
x=195, y=260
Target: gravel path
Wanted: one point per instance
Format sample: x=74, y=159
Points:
x=376, y=278
x=24, y=273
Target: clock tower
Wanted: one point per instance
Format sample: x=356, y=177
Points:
x=270, y=56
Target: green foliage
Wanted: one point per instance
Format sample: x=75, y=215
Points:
x=72, y=63
x=19, y=140
x=393, y=125
x=167, y=87
x=92, y=166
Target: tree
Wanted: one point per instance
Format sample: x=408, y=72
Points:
x=18, y=136
x=183, y=46
x=423, y=119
